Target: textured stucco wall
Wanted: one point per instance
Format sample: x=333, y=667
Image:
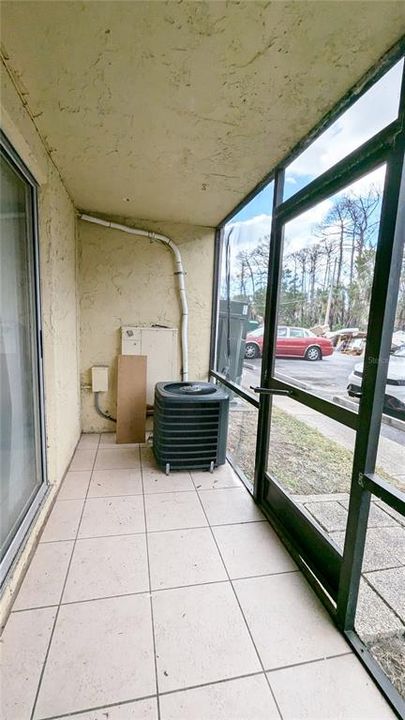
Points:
x=58, y=269
x=60, y=318
x=128, y=280
x=138, y=98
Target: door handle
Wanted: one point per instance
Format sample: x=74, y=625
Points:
x=268, y=391
x=355, y=393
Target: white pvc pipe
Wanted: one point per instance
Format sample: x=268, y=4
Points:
x=179, y=272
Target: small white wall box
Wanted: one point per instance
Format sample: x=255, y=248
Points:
x=99, y=378
x=160, y=345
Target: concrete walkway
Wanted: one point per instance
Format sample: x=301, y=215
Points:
x=381, y=609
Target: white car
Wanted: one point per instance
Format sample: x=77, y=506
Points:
x=394, y=402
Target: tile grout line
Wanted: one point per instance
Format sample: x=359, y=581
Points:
x=240, y=608
x=126, y=495
x=309, y=662
x=98, y=707
x=150, y=532
x=61, y=595
x=196, y=687
x=161, y=475
x=162, y=694
x=153, y=590
x=150, y=591
x=154, y=492
x=160, y=492
x=60, y=604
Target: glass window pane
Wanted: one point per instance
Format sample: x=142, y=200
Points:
x=380, y=616
x=311, y=456
x=327, y=274
x=365, y=118
x=243, y=284
x=242, y=435
x=391, y=445
x=20, y=476
x=242, y=432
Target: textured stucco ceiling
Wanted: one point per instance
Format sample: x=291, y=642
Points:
x=176, y=110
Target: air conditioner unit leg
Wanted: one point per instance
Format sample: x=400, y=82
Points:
x=167, y=468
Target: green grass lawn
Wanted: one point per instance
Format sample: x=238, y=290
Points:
x=301, y=458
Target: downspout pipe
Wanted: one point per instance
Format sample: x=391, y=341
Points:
x=179, y=273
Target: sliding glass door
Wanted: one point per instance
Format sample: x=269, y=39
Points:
x=21, y=456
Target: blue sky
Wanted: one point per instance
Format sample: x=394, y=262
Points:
x=262, y=203
x=372, y=112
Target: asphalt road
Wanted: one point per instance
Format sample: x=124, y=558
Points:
x=326, y=378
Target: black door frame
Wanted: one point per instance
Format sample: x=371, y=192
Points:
x=335, y=577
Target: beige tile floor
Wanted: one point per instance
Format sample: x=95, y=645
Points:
x=170, y=597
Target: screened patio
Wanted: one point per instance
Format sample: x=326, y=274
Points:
x=229, y=177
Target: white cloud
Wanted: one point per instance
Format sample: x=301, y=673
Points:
x=372, y=112
x=299, y=232
x=247, y=234
x=376, y=109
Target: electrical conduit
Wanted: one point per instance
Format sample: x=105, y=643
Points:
x=179, y=272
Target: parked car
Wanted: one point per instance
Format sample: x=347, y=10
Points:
x=252, y=325
x=394, y=400
x=291, y=342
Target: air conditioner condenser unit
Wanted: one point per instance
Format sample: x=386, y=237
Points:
x=190, y=425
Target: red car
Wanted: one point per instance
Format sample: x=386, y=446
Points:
x=291, y=342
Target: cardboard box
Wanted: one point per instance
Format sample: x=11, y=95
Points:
x=131, y=399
